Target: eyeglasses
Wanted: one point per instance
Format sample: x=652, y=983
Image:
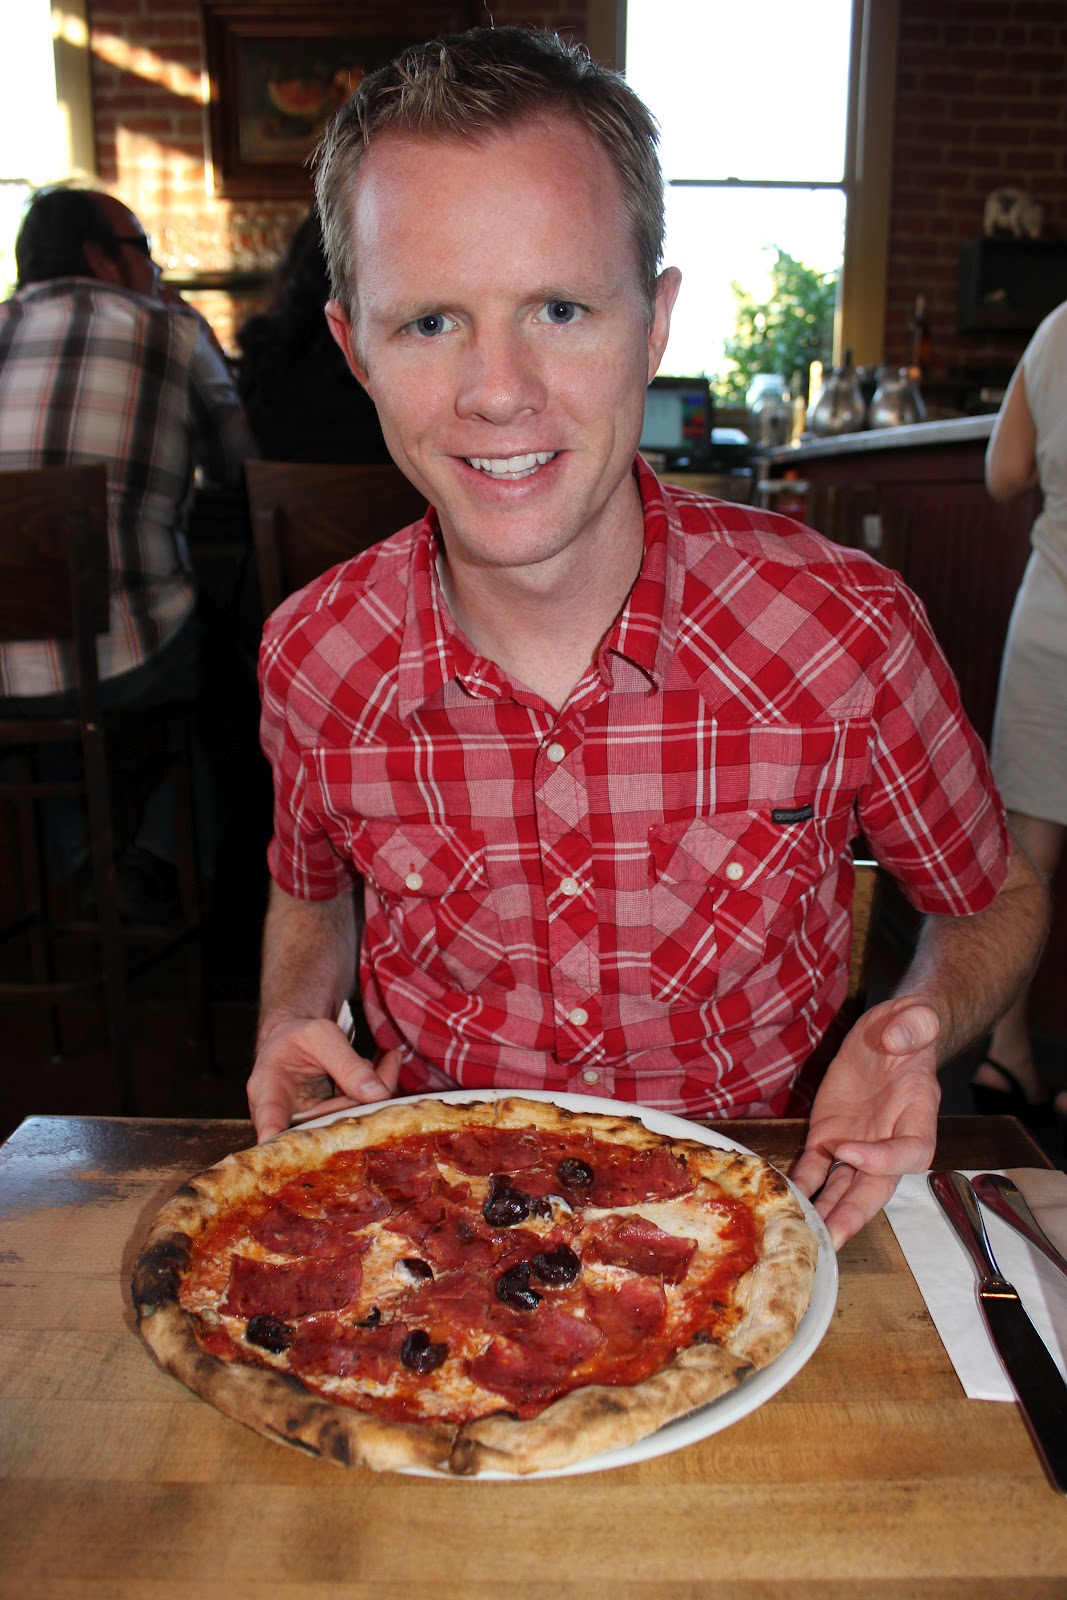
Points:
x=138, y=241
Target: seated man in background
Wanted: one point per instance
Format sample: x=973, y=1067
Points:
x=97, y=364
x=597, y=746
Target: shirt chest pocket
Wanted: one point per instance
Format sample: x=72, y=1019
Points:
x=728, y=892
x=432, y=886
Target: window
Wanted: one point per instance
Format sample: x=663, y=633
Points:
x=45, y=112
x=775, y=132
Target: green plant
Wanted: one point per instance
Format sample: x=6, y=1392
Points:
x=789, y=330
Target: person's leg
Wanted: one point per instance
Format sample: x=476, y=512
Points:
x=173, y=674
x=1009, y=1055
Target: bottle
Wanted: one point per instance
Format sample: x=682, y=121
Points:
x=799, y=391
x=921, y=343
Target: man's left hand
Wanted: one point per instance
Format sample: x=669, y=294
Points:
x=875, y=1115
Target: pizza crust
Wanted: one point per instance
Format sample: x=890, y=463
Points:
x=584, y=1422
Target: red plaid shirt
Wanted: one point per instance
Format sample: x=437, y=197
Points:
x=646, y=895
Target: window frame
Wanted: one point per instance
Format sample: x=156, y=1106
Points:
x=859, y=325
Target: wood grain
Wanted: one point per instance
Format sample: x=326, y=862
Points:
x=869, y=1474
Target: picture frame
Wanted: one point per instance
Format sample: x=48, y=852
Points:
x=277, y=72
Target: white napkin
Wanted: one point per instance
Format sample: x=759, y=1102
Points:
x=946, y=1280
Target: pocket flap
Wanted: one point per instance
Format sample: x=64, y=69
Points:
x=424, y=859
x=736, y=849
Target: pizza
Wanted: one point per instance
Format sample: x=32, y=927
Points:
x=499, y=1285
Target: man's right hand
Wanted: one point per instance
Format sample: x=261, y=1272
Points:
x=307, y=1065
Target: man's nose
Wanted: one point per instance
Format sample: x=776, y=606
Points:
x=501, y=378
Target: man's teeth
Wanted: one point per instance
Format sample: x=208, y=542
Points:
x=511, y=466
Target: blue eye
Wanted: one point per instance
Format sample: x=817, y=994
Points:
x=432, y=324
x=560, y=312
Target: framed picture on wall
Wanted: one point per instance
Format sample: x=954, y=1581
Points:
x=277, y=72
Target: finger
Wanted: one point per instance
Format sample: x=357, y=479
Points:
x=322, y=1108
x=810, y=1169
x=388, y=1070
x=864, y=1197
x=887, y=1158
x=271, y=1113
x=914, y=1027
x=357, y=1077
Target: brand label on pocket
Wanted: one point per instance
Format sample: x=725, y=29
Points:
x=797, y=814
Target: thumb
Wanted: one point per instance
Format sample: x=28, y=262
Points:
x=914, y=1026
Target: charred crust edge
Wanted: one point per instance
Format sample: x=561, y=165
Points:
x=157, y=1275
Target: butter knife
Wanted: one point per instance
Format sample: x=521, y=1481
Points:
x=1003, y=1197
x=1035, y=1377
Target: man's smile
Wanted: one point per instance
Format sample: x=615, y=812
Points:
x=511, y=467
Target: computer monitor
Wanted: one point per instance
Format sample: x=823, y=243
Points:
x=677, y=426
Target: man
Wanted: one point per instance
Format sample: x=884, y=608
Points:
x=96, y=365
x=597, y=747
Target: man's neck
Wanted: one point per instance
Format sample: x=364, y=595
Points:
x=543, y=626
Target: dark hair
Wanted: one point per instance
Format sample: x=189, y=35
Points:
x=302, y=402
x=294, y=322
x=56, y=224
x=471, y=85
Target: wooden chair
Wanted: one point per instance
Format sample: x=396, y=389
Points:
x=54, y=585
x=866, y=900
x=307, y=517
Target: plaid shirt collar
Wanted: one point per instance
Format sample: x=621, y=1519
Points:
x=434, y=652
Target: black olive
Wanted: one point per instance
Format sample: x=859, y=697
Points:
x=542, y=1207
x=372, y=1319
x=513, y=1288
x=417, y=1267
x=270, y=1333
x=505, y=1206
x=418, y=1354
x=574, y=1173
x=557, y=1266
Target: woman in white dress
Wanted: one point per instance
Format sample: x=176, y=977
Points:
x=1027, y=449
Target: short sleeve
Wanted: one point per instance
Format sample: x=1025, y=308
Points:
x=930, y=809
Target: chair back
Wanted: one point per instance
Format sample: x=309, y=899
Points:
x=306, y=517
x=865, y=898
x=54, y=561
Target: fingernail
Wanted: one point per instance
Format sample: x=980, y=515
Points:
x=899, y=1037
x=373, y=1090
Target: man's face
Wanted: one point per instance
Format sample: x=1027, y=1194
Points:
x=502, y=333
x=131, y=266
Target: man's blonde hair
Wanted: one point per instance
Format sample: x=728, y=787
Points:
x=470, y=86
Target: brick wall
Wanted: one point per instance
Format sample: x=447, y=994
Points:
x=146, y=67
x=981, y=103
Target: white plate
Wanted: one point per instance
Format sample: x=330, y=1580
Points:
x=753, y=1391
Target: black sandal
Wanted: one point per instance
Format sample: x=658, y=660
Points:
x=1010, y=1102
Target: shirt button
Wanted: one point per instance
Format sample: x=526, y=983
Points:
x=413, y=881
x=570, y=887
x=735, y=871
x=579, y=1016
x=555, y=752
x=590, y=1076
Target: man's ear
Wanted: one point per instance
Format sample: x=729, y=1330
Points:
x=667, y=285
x=99, y=264
x=345, y=338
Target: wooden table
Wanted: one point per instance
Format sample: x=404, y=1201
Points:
x=870, y=1474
